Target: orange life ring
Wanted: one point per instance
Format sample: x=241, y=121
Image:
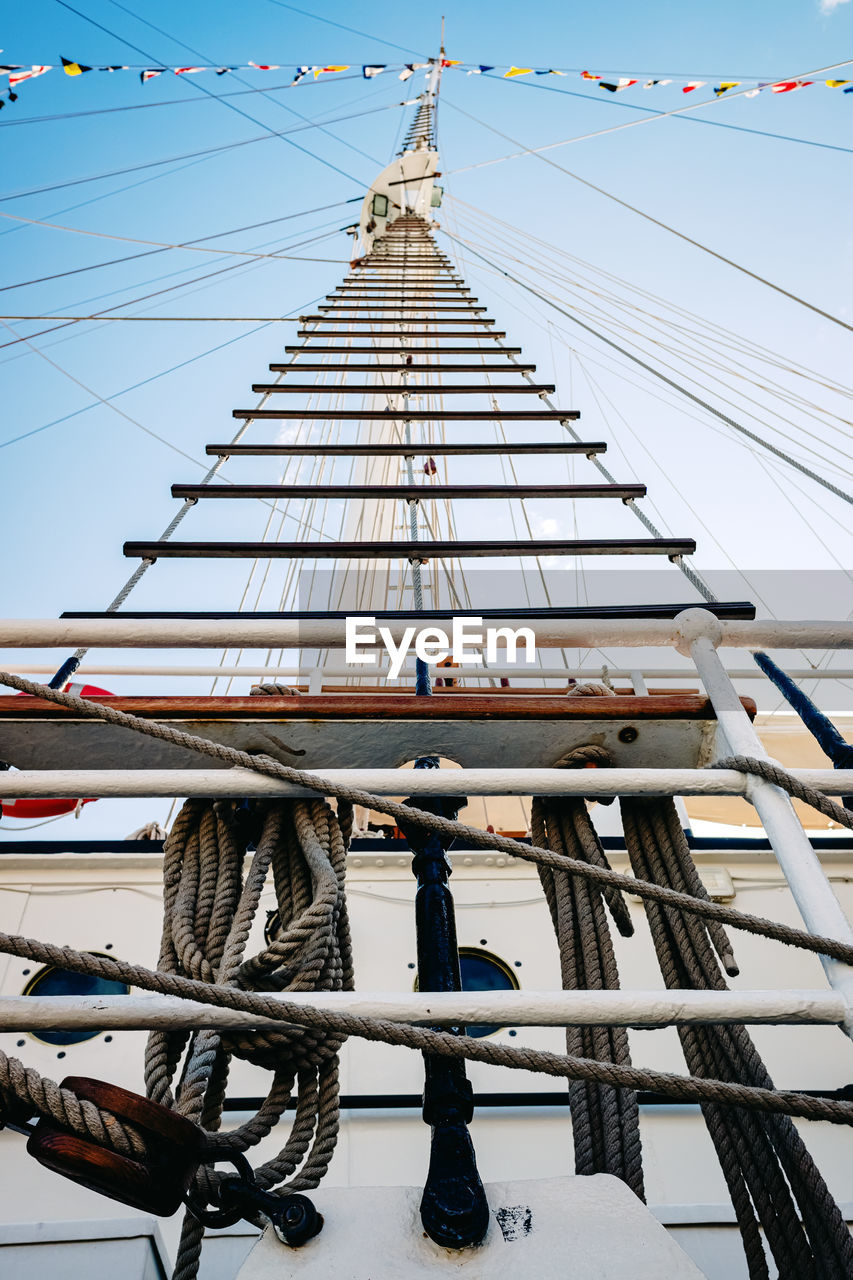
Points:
x=51, y=808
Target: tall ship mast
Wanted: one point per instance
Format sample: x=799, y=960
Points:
x=425, y=997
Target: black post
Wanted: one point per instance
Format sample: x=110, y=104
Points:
x=454, y=1210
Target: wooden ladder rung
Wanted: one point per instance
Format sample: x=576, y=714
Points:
x=414, y=415
x=585, y=447
x=461, y=550
x=378, y=389
x=410, y=492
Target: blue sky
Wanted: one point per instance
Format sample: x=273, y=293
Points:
x=75, y=491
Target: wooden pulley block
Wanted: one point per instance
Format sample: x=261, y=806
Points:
x=155, y=1183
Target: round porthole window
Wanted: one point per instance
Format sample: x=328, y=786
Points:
x=483, y=971
x=51, y=981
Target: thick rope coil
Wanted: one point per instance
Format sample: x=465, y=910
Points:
x=587, y=690
x=209, y=910
x=605, y=1121
x=774, y=1184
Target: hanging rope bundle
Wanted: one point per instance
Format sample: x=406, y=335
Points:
x=774, y=1183
x=208, y=913
x=605, y=1121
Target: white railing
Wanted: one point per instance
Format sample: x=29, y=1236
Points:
x=505, y=1008
x=317, y=677
x=117, y=632
x=121, y=784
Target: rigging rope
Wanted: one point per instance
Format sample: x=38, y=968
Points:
x=605, y=1121
x=208, y=92
x=240, y=80
x=208, y=913
x=630, y=106
x=765, y=444
x=682, y=341
x=697, y=244
x=772, y=1179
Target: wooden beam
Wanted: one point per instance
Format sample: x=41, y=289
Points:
x=400, y=351
x=394, y=332
x=459, y=550
x=318, y=319
x=365, y=304
x=365, y=367
x=410, y=492
x=585, y=447
x=414, y=415
x=445, y=705
x=378, y=389
x=728, y=610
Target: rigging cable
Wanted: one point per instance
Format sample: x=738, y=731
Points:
x=202, y=89
x=657, y=222
x=165, y=102
x=71, y=664
x=650, y=111
x=628, y=124
x=765, y=444
x=548, y=250
x=135, y=386
x=708, y=344
x=191, y=155
x=835, y=466
x=240, y=80
x=710, y=362
x=251, y=226
x=189, y=245
x=316, y=17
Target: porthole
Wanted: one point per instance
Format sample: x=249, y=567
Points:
x=483, y=971
x=52, y=981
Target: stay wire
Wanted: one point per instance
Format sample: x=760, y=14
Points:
x=661, y=115
x=703, y=348
x=755, y=349
x=680, y=355
x=707, y=340
x=163, y=102
x=316, y=17
x=813, y=475
x=240, y=80
x=105, y=314
x=697, y=244
x=191, y=155
x=203, y=89
x=111, y=262
x=650, y=111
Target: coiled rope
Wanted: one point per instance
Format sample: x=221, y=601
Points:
x=774, y=1184
x=208, y=913
x=605, y=1121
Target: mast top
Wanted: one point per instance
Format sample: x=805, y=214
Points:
x=407, y=184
